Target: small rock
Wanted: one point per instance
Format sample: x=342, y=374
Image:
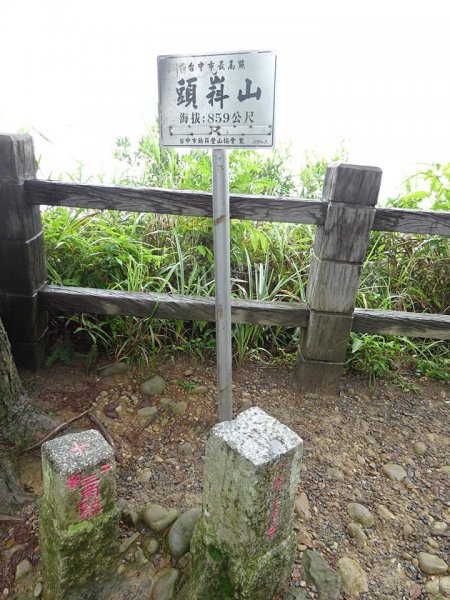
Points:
x=164, y=586
x=245, y=405
x=419, y=448
x=394, y=472
x=432, y=586
x=199, y=390
x=148, y=412
x=23, y=568
x=325, y=579
x=302, y=507
x=178, y=407
x=439, y=526
x=407, y=530
x=356, y=532
x=186, y=449
x=153, y=386
x=180, y=534
x=353, y=577
x=361, y=514
x=445, y=470
x=151, y=546
x=37, y=590
x=144, y=476
x=336, y=474
x=188, y=372
x=157, y=518
x=431, y=564
x=385, y=513
x=139, y=557
x=114, y=369
x=444, y=586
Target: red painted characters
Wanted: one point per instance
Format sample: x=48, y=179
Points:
x=90, y=503
x=275, y=514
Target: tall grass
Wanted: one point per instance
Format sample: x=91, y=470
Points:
x=269, y=261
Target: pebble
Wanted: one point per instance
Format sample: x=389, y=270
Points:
x=114, y=369
x=188, y=372
x=151, y=546
x=199, y=390
x=126, y=543
x=157, y=518
x=144, y=476
x=444, y=585
x=419, y=448
x=353, y=576
x=153, y=386
x=432, y=586
x=431, y=564
x=186, y=449
x=357, y=533
x=302, y=507
x=23, y=568
x=336, y=474
x=148, y=412
x=180, y=534
x=385, y=513
x=164, y=587
x=361, y=514
x=394, y=472
x=37, y=590
x=178, y=407
x=446, y=470
x=407, y=530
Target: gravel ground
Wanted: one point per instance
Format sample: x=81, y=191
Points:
x=348, y=440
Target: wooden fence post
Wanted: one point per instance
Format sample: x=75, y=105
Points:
x=339, y=250
x=22, y=257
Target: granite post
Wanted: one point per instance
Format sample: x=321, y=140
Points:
x=78, y=519
x=244, y=544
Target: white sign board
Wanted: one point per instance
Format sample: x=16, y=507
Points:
x=217, y=100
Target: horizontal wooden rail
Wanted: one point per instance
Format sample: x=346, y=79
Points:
x=256, y=208
x=173, y=202
x=193, y=308
x=168, y=306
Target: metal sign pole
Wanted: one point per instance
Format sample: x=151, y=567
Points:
x=221, y=219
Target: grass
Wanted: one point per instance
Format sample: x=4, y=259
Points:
x=269, y=261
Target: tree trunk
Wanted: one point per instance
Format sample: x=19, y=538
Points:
x=20, y=422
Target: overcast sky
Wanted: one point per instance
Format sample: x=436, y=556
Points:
x=372, y=73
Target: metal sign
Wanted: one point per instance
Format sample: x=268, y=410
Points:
x=217, y=100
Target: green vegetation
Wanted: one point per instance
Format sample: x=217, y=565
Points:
x=269, y=261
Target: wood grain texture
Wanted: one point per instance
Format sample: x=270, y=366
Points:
x=345, y=234
x=17, y=161
x=352, y=184
x=318, y=377
x=326, y=338
x=392, y=322
x=173, y=202
x=166, y=306
x=190, y=308
x=427, y=222
x=332, y=286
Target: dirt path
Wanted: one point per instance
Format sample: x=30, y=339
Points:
x=347, y=441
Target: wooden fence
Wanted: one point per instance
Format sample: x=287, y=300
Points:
x=344, y=218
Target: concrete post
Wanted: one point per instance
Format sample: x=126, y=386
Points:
x=78, y=520
x=244, y=544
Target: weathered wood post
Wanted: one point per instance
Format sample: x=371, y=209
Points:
x=339, y=250
x=244, y=544
x=22, y=257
